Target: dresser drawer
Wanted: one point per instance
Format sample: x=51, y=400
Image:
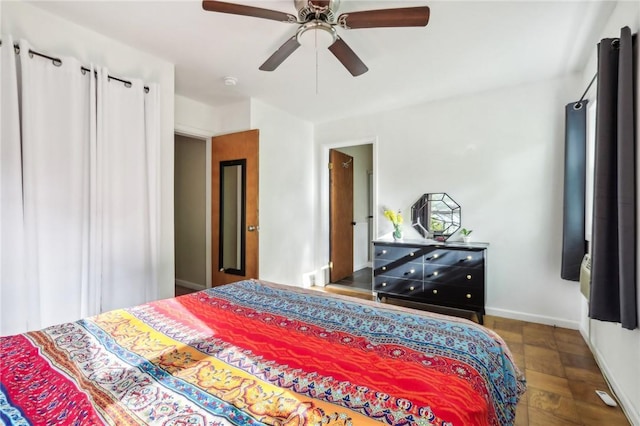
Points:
x=454, y=257
x=396, y=285
x=441, y=274
x=387, y=254
x=452, y=295
x=409, y=270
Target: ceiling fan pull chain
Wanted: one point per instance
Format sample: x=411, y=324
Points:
x=317, y=66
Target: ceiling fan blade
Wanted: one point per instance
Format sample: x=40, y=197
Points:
x=349, y=59
x=402, y=17
x=240, y=9
x=280, y=55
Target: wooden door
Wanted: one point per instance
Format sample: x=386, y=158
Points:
x=235, y=151
x=341, y=214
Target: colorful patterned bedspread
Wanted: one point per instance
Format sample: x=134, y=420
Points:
x=254, y=353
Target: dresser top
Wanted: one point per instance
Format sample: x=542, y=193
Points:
x=430, y=243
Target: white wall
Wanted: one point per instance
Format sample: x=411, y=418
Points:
x=287, y=214
x=287, y=196
x=199, y=119
x=191, y=186
x=500, y=156
x=616, y=349
x=50, y=34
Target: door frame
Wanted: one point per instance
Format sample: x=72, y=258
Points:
x=206, y=138
x=322, y=277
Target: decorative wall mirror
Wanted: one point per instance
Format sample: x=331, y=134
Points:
x=436, y=216
x=232, y=216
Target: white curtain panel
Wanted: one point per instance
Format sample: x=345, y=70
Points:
x=13, y=295
x=127, y=167
x=79, y=216
x=55, y=129
x=152, y=144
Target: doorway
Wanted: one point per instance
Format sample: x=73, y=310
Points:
x=192, y=212
x=204, y=167
x=360, y=159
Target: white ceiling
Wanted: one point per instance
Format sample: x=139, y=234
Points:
x=468, y=46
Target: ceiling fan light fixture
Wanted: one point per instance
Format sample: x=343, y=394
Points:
x=322, y=36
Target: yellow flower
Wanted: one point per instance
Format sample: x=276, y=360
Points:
x=395, y=218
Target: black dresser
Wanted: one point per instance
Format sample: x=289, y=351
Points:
x=445, y=274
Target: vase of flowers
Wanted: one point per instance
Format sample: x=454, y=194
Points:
x=396, y=220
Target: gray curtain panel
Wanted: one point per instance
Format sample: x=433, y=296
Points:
x=613, y=274
x=575, y=152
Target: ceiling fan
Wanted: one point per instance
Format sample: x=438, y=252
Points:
x=320, y=16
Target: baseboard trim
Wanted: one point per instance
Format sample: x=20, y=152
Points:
x=361, y=266
x=540, y=319
x=189, y=284
x=625, y=402
x=623, y=399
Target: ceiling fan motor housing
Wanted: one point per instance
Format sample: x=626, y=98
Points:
x=324, y=10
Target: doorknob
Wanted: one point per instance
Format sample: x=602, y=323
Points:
x=252, y=228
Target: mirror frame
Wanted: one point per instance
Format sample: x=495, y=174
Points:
x=450, y=227
x=243, y=217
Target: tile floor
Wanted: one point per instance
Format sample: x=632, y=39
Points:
x=360, y=280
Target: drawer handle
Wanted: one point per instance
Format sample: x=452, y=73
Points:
x=435, y=256
x=411, y=271
x=384, y=252
x=412, y=288
x=435, y=291
x=469, y=257
x=468, y=296
x=384, y=268
x=435, y=273
x=384, y=284
x=469, y=276
x=411, y=254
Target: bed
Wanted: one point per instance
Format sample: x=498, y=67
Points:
x=252, y=353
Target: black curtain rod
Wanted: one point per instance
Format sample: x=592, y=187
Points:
x=615, y=43
x=57, y=62
x=125, y=82
x=578, y=104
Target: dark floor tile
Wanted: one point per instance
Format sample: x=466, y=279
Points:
x=586, y=392
x=579, y=361
x=360, y=279
x=601, y=414
x=539, y=337
x=181, y=291
x=543, y=360
x=560, y=406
